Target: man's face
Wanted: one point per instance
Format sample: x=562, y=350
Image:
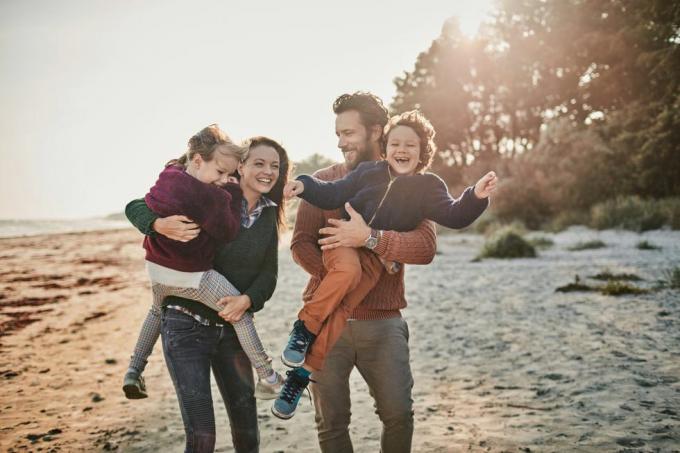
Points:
x=354, y=140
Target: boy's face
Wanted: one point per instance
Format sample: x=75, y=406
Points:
x=403, y=150
x=354, y=140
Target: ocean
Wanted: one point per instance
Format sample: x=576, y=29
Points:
x=14, y=228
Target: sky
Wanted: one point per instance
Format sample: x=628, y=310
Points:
x=97, y=95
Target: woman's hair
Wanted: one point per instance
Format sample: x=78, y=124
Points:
x=206, y=143
x=276, y=194
x=423, y=129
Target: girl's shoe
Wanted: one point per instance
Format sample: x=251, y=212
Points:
x=266, y=391
x=133, y=386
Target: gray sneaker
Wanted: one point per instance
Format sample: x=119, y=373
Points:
x=133, y=386
x=266, y=391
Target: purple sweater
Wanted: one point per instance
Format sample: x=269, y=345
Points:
x=216, y=210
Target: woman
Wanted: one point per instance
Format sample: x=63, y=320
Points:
x=196, y=338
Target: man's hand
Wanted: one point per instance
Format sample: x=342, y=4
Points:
x=234, y=307
x=345, y=233
x=176, y=227
x=486, y=185
x=293, y=188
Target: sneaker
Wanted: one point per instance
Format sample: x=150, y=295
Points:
x=299, y=341
x=266, y=391
x=284, y=406
x=133, y=386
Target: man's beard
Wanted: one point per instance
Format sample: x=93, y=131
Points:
x=361, y=155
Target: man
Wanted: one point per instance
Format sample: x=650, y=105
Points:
x=375, y=340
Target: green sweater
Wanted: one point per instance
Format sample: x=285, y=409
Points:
x=249, y=262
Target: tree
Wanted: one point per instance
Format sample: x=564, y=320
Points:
x=600, y=77
x=311, y=164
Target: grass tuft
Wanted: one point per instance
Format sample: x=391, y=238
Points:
x=610, y=288
x=618, y=288
x=507, y=243
x=646, y=245
x=541, y=242
x=606, y=275
x=588, y=245
x=575, y=286
x=672, y=278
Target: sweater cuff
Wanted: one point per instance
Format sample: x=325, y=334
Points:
x=478, y=202
x=256, y=303
x=383, y=242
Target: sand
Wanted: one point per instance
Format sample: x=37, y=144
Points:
x=501, y=361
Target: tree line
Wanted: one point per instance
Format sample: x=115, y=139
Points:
x=573, y=102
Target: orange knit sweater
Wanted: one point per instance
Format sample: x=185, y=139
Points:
x=387, y=297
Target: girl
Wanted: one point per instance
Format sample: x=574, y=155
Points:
x=393, y=194
x=198, y=185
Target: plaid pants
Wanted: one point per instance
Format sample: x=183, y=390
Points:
x=212, y=288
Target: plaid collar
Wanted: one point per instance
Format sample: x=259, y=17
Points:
x=247, y=219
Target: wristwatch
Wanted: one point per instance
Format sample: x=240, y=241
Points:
x=373, y=238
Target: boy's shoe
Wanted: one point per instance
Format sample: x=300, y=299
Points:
x=133, y=386
x=284, y=406
x=266, y=391
x=299, y=341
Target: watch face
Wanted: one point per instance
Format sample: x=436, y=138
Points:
x=371, y=242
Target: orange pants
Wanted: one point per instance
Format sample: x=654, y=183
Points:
x=350, y=275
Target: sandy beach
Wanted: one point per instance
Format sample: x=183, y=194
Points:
x=502, y=362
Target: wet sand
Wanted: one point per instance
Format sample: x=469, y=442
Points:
x=501, y=361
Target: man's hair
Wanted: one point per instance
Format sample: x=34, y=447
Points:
x=371, y=109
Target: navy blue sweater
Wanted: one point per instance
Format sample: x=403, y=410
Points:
x=409, y=201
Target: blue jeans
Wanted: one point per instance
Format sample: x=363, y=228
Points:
x=191, y=350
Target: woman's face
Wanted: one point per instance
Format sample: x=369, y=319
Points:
x=260, y=171
x=403, y=150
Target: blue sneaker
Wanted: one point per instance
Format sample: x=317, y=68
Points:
x=299, y=341
x=284, y=406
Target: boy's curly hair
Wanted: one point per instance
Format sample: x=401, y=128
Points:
x=423, y=128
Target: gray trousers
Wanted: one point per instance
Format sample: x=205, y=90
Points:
x=379, y=350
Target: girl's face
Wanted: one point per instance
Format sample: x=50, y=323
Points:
x=403, y=150
x=260, y=171
x=215, y=171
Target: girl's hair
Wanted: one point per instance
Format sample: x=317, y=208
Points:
x=206, y=142
x=276, y=194
x=423, y=129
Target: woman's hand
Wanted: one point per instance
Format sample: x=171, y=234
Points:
x=486, y=185
x=176, y=227
x=234, y=307
x=293, y=189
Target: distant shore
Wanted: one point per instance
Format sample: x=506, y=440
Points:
x=23, y=228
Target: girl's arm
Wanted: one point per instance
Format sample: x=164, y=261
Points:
x=447, y=211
